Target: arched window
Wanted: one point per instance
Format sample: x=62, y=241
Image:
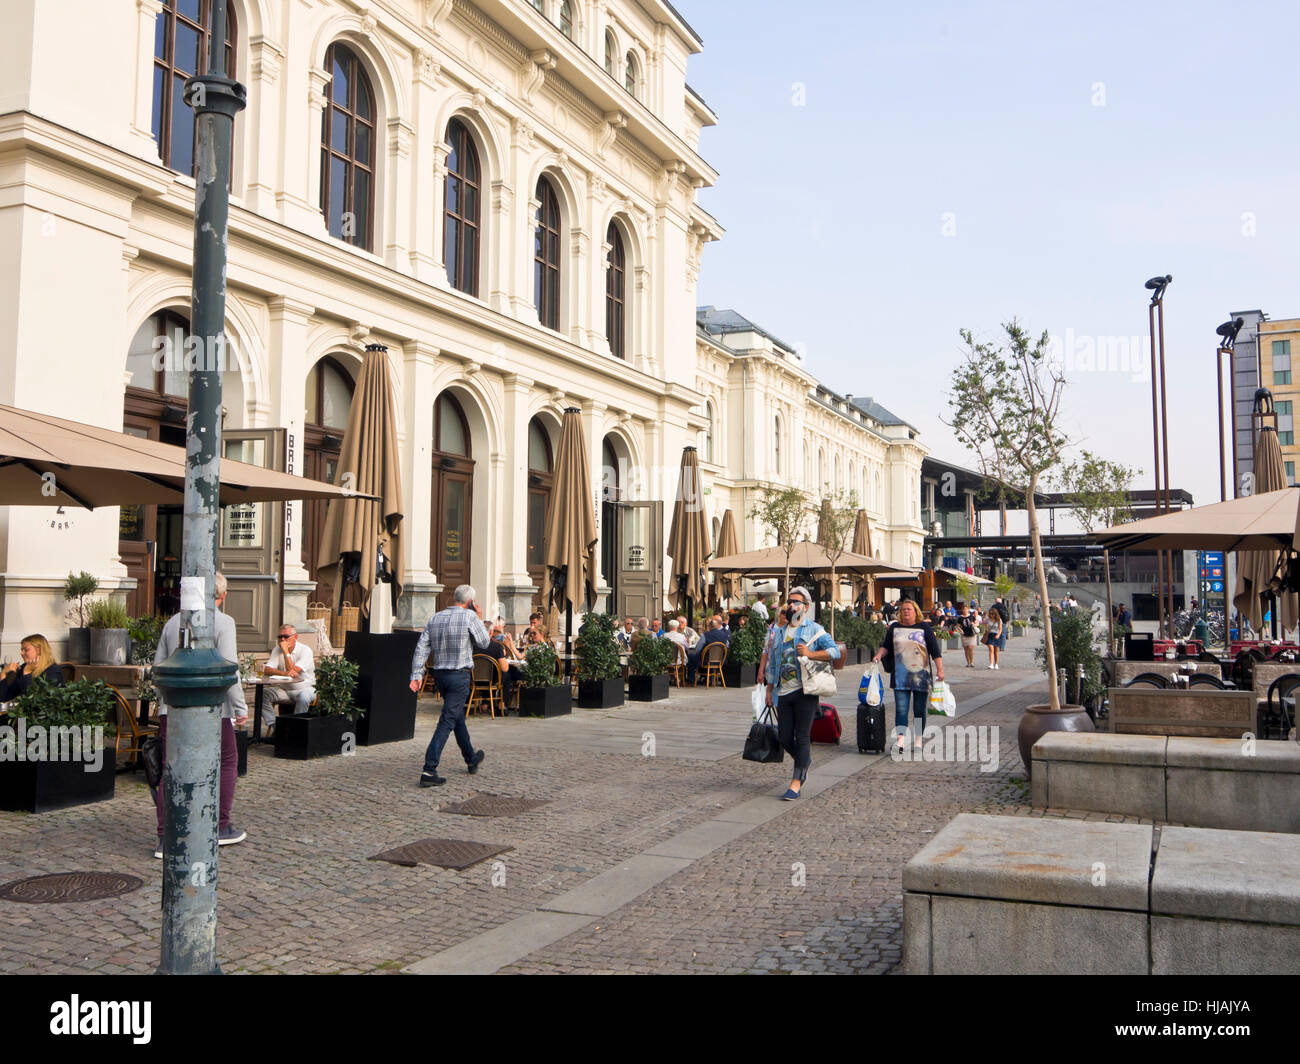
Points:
x=451, y=431
x=708, y=431
x=156, y=359
x=540, y=482
x=566, y=19
x=182, y=40
x=610, y=488
x=776, y=444
x=616, y=292
x=631, y=74
x=347, y=174
x=546, y=256
x=461, y=213
x=820, y=486
x=329, y=395
x=611, y=49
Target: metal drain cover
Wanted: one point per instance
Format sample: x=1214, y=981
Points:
x=70, y=886
x=494, y=805
x=446, y=853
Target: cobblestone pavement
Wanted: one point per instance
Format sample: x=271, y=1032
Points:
x=301, y=895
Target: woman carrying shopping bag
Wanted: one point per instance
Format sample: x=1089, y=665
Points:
x=794, y=645
x=907, y=652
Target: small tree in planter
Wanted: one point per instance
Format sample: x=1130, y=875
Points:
x=647, y=673
x=326, y=727
x=1077, y=659
x=110, y=637
x=78, y=588
x=600, y=671
x=542, y=692
x=65, y=759
x=746, y=647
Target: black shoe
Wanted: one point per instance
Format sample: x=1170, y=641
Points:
x=472, y=767
x=434, y=780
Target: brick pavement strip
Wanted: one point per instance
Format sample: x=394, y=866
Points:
x=301, y=896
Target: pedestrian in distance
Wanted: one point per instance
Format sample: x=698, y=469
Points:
x=994, y=635
x=907, y=652
x=966, y=625
x=452, y=635
x=800, y=638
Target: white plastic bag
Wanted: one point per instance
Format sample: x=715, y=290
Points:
x=758, y=701
x=941, y=701
x=874, y=684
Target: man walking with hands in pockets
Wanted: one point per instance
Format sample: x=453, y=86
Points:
x=452, y=635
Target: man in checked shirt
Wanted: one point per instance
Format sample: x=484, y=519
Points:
x=449, y=635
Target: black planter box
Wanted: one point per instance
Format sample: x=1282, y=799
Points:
x=545, y=701
x=600, y=694
x=241, y=747
x=300, y=737
x=740, y=675
x=647, y=688
x=384, y=685
x=40, y=786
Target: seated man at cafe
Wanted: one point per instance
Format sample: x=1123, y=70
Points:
x=501, y=649
x=295, y=661
x=624, y=634
x=675, y=634
x=715, y=634
x=692, y=636
x=656, y=627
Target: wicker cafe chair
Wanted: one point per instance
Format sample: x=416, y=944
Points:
x=1272, y=712
x=129, y=728
x=710, y=668
x=1148, y=679
x=486, y=684
x=1202, y=680
x=677, y=670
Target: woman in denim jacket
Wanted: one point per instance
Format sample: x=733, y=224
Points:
x=795, y=711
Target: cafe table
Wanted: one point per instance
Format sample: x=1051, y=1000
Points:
x=260, y=684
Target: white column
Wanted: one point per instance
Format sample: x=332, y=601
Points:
x=258, y=133
x=299, y=186
x=287, y=363
x=147, y=12
x=416, y=396
x=426, y=183
x=398, y=196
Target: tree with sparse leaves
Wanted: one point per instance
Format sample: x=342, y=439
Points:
x=839, y=520
x=1004, y=407
x=783, y=513
x=1098, y=490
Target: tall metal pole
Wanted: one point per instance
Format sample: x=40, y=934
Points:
x=1164, y=447
x=1155, y=443
x=1218, y=373
x=193, y=681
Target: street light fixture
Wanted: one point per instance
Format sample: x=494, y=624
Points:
x=1227, y=333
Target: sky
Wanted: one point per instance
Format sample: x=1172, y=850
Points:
x=893, y=173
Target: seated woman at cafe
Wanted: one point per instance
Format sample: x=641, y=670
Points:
x=38, y=660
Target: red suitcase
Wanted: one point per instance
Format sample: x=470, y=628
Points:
x=826, y=728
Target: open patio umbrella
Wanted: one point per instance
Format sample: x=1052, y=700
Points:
x=571, y=526
x=1252, y=522
x=1257, y=570
x=357, y=530
x=806, y=557
x=688, y=536
x=49, y=461
x=727, y=583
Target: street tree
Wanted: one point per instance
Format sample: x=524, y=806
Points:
x=1097, y=490
x=839, y=518
x=1004, y=407
x=782, y=511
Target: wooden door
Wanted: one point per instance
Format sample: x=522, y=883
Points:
x=640, y=559
x=453, y=505
x=137, y=535
x=250, y=546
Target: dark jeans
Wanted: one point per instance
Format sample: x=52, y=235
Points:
x=794, y=717
x=918, y=700
x=229, y=771
x=454, y=686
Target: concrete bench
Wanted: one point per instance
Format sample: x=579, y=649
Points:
x=993, y=895
x=1205, y=713
x=1212, y=783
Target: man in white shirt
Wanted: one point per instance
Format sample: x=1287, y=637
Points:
x=674, y=635
x=295, y=660
x=760, y=607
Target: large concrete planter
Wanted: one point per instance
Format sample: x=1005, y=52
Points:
x=553, y=701
x=1039, y=720
x=600, y=694
x=736, y=675
x=110, y=646
x=42, y=786
x=647, y=688
x=79, y=646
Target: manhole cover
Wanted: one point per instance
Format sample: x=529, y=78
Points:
x=447, y=853
x=493, y=805
x=70, y=886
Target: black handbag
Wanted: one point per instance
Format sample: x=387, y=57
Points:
x=763, y=744
x=151, y=757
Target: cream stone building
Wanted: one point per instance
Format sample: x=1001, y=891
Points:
x=502, y=193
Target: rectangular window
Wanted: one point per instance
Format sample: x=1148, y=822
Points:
x=1281, y=377
x=1290, y=474
x=1286, y=439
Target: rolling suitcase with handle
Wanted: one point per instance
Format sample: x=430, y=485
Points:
x=826, y=727
x=871, y=729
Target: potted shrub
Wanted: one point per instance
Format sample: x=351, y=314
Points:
x=110, y=638
x=1018, y=628
x=1078, y=658
x=323, y=729
x=600, y=672
x=746, y=647
x=542, y=690
x=647, y=674
x=52, y=751
x=78, y=588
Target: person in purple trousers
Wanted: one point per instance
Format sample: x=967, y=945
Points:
x=233, y=712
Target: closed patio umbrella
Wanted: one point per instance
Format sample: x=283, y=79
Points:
x=571, y=525
x=862, y=545
x=356, y=530
x=727, y=583
x=688, y=537
x=50, y=461
x=1256, y=570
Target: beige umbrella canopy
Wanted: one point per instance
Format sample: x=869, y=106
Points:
x=727, y=583
x=357, y=529
x=571, y=522
x=1256, y=570
x=1253, y=522
x=688, y=537
x=49, y=461
x=862, y=546
x=770, y=561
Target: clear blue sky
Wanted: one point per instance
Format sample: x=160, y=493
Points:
x=987, y=112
